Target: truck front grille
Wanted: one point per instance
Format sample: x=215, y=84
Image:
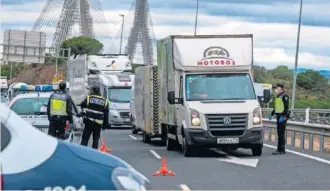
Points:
x=124, y=114
x=226, y=124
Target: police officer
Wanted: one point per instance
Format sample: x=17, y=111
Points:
x=59, y=110
x=96, y=116
x=281, y=110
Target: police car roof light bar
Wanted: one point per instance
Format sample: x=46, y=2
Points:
x=38, y=88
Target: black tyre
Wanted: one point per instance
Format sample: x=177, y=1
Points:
x=188, y=150
x=257, y=150
x=146, y=138
x=170, y=144
x=134, y=130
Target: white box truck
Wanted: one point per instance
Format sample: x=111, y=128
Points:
x=206, y=93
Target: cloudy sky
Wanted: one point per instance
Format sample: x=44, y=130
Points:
x=272, y=22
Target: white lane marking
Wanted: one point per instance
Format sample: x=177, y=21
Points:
x=184, y=187
x=301, y=154
x=236, y=160
x=155, y=154
x=132, y=137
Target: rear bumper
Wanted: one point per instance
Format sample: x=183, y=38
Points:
x=250, y=138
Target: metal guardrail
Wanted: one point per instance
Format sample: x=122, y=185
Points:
x=314, y=137
x=313, y=116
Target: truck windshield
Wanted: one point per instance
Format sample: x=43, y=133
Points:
x=219, y=87
x=119, y=95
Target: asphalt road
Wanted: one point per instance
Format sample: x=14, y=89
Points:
x=215, y=170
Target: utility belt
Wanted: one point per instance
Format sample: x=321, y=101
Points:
x=58, y=118
x=94, y=116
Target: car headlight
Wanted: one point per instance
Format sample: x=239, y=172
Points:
x=195, y=119
x=257, y=116
x=129, y=179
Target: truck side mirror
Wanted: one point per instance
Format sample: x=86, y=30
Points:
x=171, y=97
x=172, y=100
x=267, y=96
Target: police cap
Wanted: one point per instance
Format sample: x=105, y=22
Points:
x=62, y=85
x=95, y=88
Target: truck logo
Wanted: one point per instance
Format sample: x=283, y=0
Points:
x=226, y=120
x=215, y=56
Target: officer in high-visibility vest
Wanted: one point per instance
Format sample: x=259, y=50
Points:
x=281, y=110
x=59, y=110
x=96, y=116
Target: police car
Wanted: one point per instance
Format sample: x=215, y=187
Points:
x=32, y=160
x=32, y=107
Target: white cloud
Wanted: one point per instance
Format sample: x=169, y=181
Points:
x=271, y=39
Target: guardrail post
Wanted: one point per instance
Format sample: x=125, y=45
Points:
x=307, y=115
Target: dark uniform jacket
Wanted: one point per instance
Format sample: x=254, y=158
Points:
x=97, y=109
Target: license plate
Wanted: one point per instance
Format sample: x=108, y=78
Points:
x=227, y=140
x=126, y=120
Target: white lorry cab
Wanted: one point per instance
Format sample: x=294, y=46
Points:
x=206, y=93
x=116, y=88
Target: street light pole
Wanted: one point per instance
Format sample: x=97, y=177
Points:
x=197, y=7
x=122, y=31
x=296, y=59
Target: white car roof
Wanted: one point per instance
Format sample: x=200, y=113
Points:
x=31, y=95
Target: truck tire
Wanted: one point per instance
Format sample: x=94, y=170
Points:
x=187, y=149
x=257, y=150
x=146, y=138
x=134, y=130
x=170, y=144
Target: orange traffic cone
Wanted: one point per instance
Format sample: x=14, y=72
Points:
x=104, y=148
x=164, y=171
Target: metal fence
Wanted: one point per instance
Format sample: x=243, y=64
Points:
x=314, y=137
x=312, y=116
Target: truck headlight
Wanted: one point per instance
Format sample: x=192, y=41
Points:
x=195, y=119
x=257, y=116
x=114, y=113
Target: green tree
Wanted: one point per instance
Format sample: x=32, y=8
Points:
x=282, y=72
x=82, y=45
x=312, y=80
x=260, y=74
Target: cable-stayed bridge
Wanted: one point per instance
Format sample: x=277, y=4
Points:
x=63, y=19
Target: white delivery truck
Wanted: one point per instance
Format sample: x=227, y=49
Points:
x=206, y=94
x=116, y=88
x=3, y=88
x=84, y=70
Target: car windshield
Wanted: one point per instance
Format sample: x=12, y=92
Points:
x=119, y=94
x=29, y=106
x=219, y=87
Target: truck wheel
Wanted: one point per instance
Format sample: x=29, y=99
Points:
x=170, y=144
x=257, y=150
x=146, y=138
x=187, y=149
x=134, y=130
